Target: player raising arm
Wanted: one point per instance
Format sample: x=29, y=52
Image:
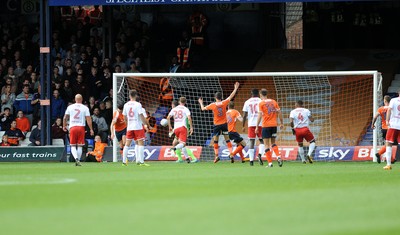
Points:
x=134, y=118
x=220, y=122
x=299, y=120
x=269, y=112
x=77, y=114
x=250, y=112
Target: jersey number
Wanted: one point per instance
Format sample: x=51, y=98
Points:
x=76, y=116
x=178, y=114
x=131, y=113
x=220, y=113
x=253, y=108
x=300, y=117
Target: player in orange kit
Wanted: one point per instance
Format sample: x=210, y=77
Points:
x=233, y=115
x=220, y=122
x=269, y=112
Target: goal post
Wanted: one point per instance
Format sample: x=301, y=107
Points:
x=342, y=102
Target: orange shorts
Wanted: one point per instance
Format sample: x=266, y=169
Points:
x=77, y=135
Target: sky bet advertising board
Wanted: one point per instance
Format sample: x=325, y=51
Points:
x=288, y=153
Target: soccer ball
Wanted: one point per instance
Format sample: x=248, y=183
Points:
x=164, y=122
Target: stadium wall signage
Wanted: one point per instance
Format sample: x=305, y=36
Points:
x=31, y=154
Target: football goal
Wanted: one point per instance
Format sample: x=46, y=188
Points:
x=342, y=102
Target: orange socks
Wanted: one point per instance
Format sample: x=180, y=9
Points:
x=216, y=149
x=382, y=150
x=268, y=155
x=238, y=150
x=276, y=150
x=229, y=144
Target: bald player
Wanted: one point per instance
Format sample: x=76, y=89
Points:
x=77, y=115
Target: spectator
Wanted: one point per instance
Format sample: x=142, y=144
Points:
x=7, y=99
x=97, y=154
x=34, y=81
x=108, y=112
x=94, y=83
x=66, y=92
x=57, y=131
x=5, y=119
x=9, y=82
x=25, y=102
x=133, y=68
x=34, y=138
x=118, y=61
x=106, y=82
x=101, y=124
x=4, y=140
x=92, y=104
x=80, y=87
x=23, y=122
x=36, y=105
x=57, y=106
x=14, y=134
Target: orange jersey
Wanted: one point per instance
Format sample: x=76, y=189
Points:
x=231, y=117
x=23, y=124
x=269, y=109
x=120, y=123
x=382, y=112
x=219, y=111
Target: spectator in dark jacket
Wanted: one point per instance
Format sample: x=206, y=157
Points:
x=5, y=119
x=57, y=106
x=34, y=138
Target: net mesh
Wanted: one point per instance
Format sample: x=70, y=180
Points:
x=341, y=105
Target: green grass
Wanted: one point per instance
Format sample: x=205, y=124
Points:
x=203, y=199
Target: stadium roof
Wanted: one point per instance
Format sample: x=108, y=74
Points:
x=161, y=2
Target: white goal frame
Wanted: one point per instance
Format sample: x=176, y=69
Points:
x=375, y=75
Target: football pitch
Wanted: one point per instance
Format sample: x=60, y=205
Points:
x=204, y=198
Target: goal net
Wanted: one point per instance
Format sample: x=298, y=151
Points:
x=342, y=103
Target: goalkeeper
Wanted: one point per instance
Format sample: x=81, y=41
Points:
x=178, y=152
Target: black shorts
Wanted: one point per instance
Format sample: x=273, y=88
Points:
x=220, y=129
x=119, y=134
x=269, y=132
x=235, y=137
x=384, y=131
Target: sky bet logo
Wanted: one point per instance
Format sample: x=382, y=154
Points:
x=334, y=153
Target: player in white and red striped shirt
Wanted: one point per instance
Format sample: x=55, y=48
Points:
x=299, y=121
x=77, y=114
x=135, y=119
x=393, y=133
x=181, y=115
x=250, y=112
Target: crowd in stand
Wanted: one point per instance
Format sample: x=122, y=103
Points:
x=79, y=66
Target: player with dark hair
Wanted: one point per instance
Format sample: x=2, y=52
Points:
x=299, y=120
x=118, y=127
x=220, y=122
x=269, y=112
x=233, y=116
x=381, y=112
x=250, y=112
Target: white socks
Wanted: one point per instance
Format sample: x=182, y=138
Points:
x=74, y=152
x=311, y=148
x=251, y=154
x=301, y=153
x=388, y=155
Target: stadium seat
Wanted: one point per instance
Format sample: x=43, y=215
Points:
x=28, y=134
x=24, y=142
x=2, y=133
x=90, y=144
x=393, y=89
x=395, y=83
x=397, y=77
x=58, y=142
x=33, y=127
